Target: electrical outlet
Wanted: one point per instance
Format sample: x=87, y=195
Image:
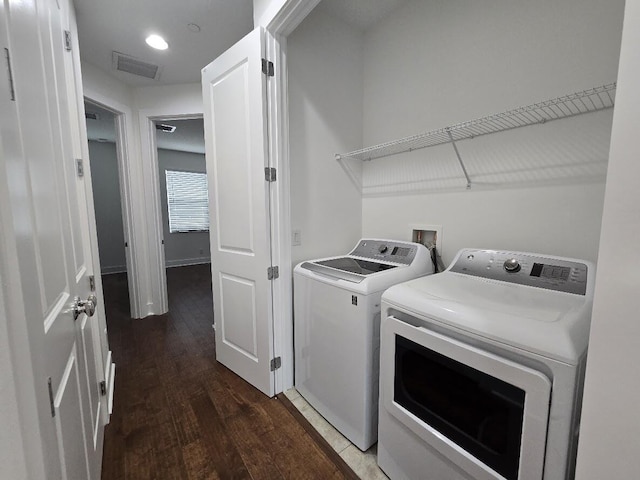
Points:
x=296, y=237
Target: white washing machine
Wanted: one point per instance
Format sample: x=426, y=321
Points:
x=482, y=369
x=337, y=330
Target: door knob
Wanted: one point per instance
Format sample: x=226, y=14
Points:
x=88, y=306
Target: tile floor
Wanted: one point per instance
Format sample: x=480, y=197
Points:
x=364, y=464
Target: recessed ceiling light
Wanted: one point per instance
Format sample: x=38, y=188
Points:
x=193, y=27
x=157, y=42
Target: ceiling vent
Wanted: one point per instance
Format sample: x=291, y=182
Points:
x=92, y=115
x=165, y=128
x=126, y=63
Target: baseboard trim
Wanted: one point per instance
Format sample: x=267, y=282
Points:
x=187, y=261
x=113, y=269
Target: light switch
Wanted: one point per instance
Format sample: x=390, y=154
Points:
x=296, y=237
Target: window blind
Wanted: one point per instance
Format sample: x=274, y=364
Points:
x=187, y=201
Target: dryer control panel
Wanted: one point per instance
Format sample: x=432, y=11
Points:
x=524, y=269
x=387, y=250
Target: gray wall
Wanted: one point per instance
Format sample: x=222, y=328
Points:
x=106, y=196
x=188, y=247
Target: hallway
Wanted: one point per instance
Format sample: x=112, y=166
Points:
x=178, y=414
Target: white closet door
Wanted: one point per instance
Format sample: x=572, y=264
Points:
x=234, y=92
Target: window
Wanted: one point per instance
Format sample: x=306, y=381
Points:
x=187, y=201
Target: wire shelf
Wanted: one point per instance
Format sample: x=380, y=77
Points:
x=587, y=101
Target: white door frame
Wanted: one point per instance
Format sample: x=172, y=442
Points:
x=122, y=116
x=292, y=13
x=151, y=178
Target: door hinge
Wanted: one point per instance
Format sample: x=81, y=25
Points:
x=92, y=283
x=51, y=403
x=276, y=363
x=12, y=91
x=267, y=68
x=270, y=174
x=67, y=40
x=80, y=167
x=103, y=388
x=272, y=273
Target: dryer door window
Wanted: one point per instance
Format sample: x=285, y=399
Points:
x=479, y=410
x=480, y=413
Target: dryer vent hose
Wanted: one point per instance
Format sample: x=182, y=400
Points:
x=438, y=266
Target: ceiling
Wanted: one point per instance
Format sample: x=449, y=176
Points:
x=122, y=26
x=361, y=14
x=188, y=136
x=105, y=26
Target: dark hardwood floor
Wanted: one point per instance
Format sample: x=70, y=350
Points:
x=179, y=414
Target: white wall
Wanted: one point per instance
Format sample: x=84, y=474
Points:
x=437, y=63
x=325, y=84
x=95, y=81
x=181, y=248
x=108, y=206
x=182, y=98
x=608, y=446
x=553, y=220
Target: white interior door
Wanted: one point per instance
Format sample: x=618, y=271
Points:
x=49, y=220
x=234, y=92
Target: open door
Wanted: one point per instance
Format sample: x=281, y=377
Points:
x=234, y=93
x=46, y=223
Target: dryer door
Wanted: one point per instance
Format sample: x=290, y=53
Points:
x=485, y=414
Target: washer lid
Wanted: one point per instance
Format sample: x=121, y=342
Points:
x=356, y=265
x=346, y=268
x=550, y=323
x=372, y=266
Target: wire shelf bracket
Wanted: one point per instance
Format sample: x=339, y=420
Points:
x=587, y=101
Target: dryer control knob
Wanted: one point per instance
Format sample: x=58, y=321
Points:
x=383, y=248
x=512, y=265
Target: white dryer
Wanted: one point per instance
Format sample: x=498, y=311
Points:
x=482, y=368
x=337, y=329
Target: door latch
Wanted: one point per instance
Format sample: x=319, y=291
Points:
x=88, y=306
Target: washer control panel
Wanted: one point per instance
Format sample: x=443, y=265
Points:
x=524, y=269
x=387, y=250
